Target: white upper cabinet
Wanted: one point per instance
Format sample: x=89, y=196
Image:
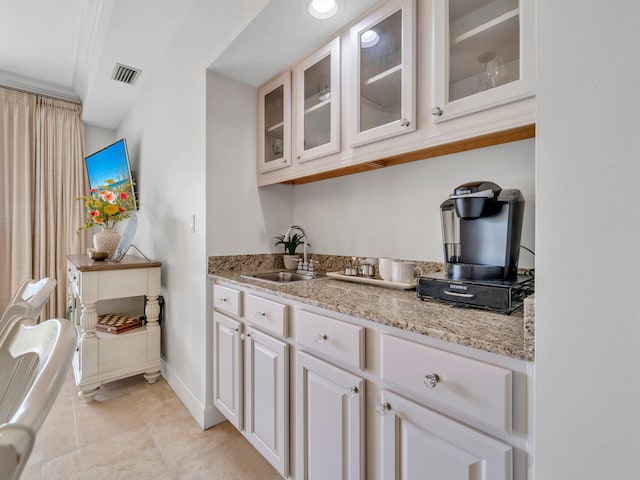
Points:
x=274, y=124
x=483, y=55
x=317, y=103
x=383, y=76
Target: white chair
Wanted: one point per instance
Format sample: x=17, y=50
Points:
x=34, y=361
x=29, y=299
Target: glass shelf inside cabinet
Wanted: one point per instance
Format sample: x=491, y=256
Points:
x=317, y=104
x=317, y=125
x=274, y=124
x=381, y=73
x=484, y=45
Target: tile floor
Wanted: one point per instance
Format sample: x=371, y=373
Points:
x=134, y=430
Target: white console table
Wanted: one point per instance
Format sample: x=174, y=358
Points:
x=103, y=357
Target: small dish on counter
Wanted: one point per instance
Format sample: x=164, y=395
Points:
x=97, y=255
x=372, y=281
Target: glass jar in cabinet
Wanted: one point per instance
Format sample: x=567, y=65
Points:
x=383, y=96
x=484, y=55
x=274, y=124
x=317, y=103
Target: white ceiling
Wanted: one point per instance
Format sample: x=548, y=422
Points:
x=69, y=48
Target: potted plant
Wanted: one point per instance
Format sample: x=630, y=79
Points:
x=290, y=245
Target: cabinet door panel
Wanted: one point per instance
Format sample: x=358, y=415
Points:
x=383, y=95
x=317, y=103
x=419, y=443
x=329, y=421
x=227, y=362
x=483, y=56
x=274, y=124
x=266, y=397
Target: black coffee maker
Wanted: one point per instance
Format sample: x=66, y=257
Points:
x=481, y=230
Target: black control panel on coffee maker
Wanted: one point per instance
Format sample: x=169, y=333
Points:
x=481, y=231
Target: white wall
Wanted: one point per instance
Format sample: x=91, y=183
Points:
x=166, y=133
x=96, y=138
x=587, y=236
x=395, y=211
x=241, y=218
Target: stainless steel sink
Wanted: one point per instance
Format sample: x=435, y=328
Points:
x=281, y=277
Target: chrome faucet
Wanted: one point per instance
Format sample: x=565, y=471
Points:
x=305, y=267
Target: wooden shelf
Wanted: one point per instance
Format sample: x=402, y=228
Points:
x=481, y=141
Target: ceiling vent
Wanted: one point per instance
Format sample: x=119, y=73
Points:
x=124, y=74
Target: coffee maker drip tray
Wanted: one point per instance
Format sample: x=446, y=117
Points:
x=500, y=295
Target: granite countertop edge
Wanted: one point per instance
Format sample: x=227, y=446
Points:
x=507, y=335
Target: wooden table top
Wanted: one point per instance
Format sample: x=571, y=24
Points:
x=85, y=264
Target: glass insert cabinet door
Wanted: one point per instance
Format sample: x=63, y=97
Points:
x=484, y=54
x=384, y=45
x=317, y=103
x=274, y=131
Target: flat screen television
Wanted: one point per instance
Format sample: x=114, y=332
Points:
x=111, y=163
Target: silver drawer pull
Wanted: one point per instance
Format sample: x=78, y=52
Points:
x=260, y=315
x=458, y=294
x=224, y=300
x=431, y=380
x=321, y=338
x=352, y=392
x=383, y=408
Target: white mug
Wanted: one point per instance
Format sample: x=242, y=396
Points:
x=404, y=272
x=384, y=267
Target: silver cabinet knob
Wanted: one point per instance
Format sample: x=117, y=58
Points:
x=260, y=315
x=431, y=380
x=352, y=392
x=404, y=122
x=383, y=408
x=321, y=338
x=244, y=336
x=436, y=111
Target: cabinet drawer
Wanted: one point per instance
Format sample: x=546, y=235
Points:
x=269, y=315
x=227, y=300
x=334, y=338
x=474, y=388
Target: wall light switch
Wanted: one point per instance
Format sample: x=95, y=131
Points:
x=192, y=223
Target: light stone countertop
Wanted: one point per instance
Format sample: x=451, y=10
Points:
x=506, y=335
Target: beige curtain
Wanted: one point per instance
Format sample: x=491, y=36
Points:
x=42, y=168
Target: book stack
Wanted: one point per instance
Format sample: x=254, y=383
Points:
x=110, y=323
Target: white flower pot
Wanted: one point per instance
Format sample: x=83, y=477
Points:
x=291, y=261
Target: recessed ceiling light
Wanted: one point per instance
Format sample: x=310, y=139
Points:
x=324, y=8
x=369, y=39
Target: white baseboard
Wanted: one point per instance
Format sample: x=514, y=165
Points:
x=205, y=416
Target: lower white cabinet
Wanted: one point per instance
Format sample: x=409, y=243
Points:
x=419, y=443
x=267, y=397
x=292, y=379
x=330, y=427
x=251, y=386
x=227, y=364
